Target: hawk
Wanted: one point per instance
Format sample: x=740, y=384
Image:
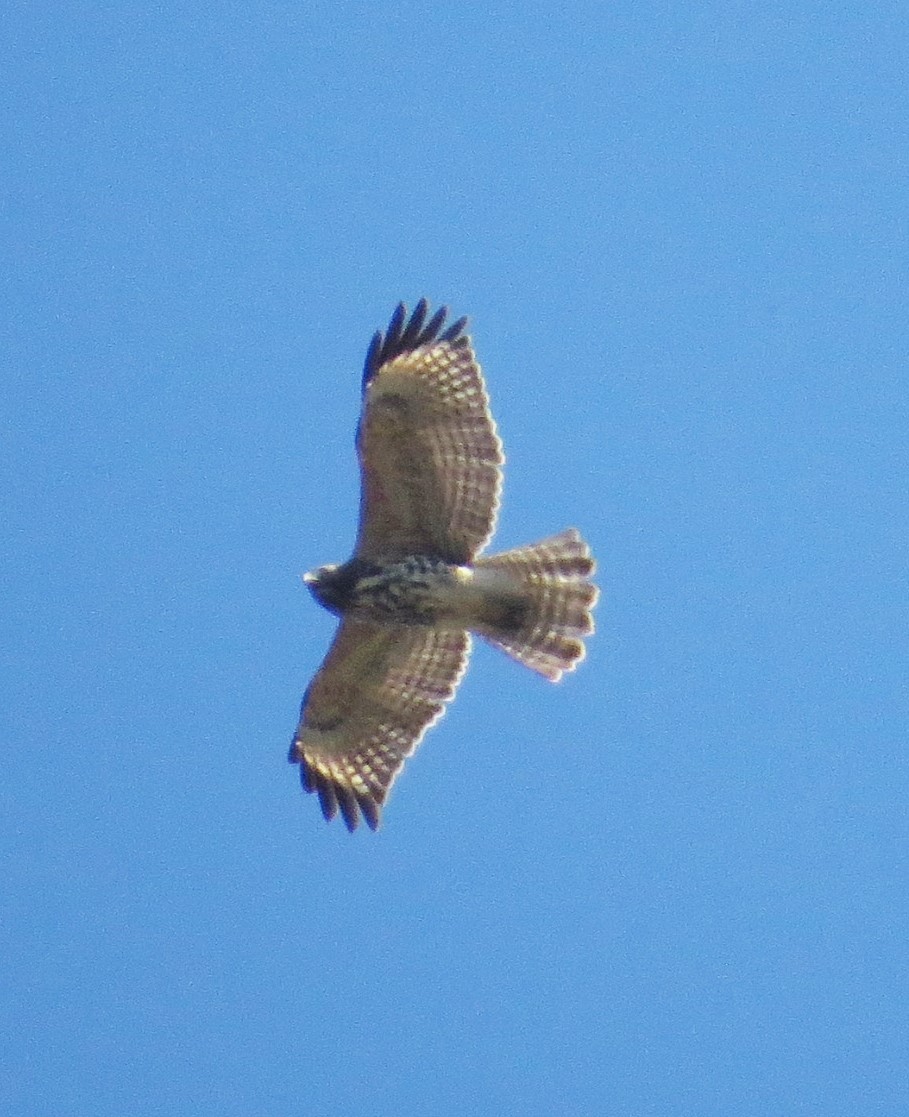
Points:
x=415, y=589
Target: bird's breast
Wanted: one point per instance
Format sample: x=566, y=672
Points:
x=418, y=590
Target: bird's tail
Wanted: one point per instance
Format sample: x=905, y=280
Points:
x=537, y=602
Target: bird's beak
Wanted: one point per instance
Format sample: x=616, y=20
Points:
x=309, y=578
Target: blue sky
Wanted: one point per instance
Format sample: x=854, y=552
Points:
x=676, y=883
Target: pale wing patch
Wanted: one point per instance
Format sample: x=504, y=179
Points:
x=430, y=456
x=369, y=705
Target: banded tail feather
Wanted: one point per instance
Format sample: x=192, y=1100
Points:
x=540, y=613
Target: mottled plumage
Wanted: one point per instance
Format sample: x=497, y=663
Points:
x=431, y=474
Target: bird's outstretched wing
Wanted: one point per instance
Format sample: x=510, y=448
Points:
x=373, y=698
x=430, y=458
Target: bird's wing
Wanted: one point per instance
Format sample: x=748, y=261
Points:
x=430, y=458
x=366, y=710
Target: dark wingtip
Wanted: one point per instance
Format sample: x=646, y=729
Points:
x=370, y=809
x=396, y=325
x=405, y=338
x=328, y=799
x=434, y=325
x=334, y=797
x=347, y=801
x=455, y=331
x=372, y=357
x=411, y=332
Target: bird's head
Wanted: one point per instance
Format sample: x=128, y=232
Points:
x=331, y=586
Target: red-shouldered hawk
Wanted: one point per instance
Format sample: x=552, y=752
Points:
x=414, y=590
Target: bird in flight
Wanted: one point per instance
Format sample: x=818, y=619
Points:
x=415, y=588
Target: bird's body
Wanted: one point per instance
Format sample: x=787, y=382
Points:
x=416, y=587
x=415, y=590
